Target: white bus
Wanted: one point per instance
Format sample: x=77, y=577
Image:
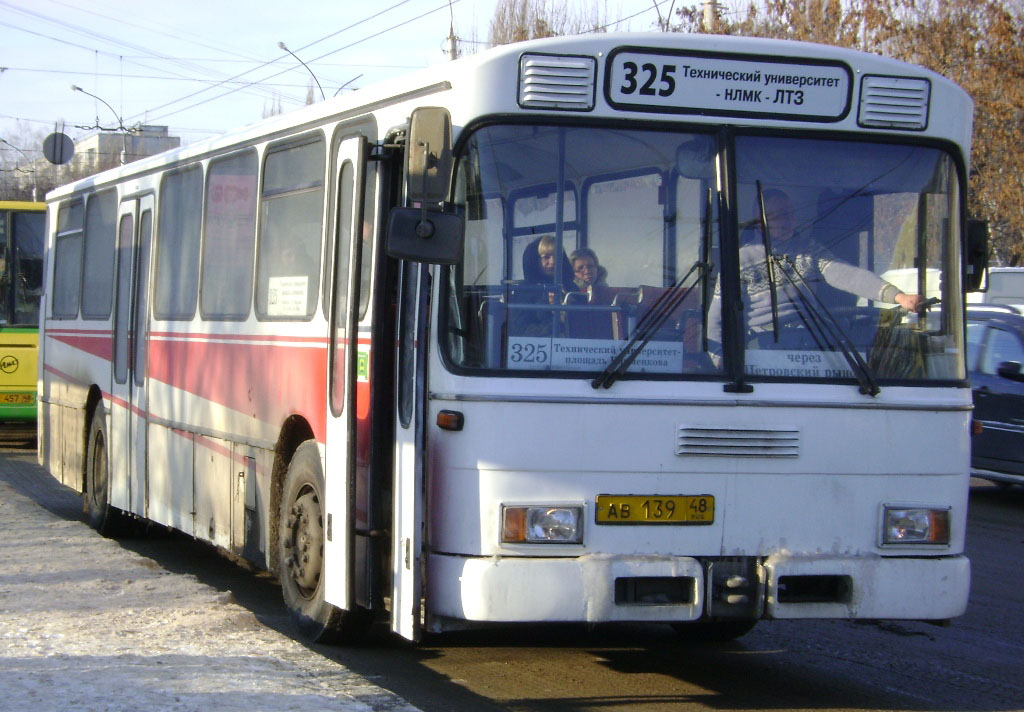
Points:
x=350, y=345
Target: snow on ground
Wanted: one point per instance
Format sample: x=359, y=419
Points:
x=87, y=625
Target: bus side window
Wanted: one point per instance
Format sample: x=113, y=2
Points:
x=229, y=230
x=177, y=254
x=67, y=260
x=290, y=231
x=100, y=223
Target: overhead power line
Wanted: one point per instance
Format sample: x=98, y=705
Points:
x=316, y=59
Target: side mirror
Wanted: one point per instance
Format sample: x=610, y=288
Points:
x=1011, y=370
x=977, y=256
x=428, y=155
x=425, y=233
x=422, y=235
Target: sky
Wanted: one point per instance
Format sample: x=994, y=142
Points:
x=202, y=67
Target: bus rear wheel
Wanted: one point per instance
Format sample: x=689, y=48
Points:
x=104, y=518
x=300, y=540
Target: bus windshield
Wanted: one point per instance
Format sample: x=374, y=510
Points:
x=21, y=268
x=593, y=250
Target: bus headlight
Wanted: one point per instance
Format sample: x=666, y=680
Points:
x=914, y=525
x=541, y=525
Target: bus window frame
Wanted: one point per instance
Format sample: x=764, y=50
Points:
x=106, y=257
x=187, y=315
x=61, y=237
x=317, y=136
x=234, y=155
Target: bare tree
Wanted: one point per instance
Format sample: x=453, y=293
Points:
x=520, y=20
x=274, y=109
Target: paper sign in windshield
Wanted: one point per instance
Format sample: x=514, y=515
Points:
x=797, y=364
x=546, y=354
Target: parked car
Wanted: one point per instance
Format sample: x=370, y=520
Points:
x=995, y=352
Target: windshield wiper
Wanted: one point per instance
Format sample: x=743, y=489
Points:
x=769, y=262
x=649, y=324
x=664, y=305
x=705, y=285
x=828, y=327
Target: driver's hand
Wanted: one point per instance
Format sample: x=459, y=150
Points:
x=910, y=302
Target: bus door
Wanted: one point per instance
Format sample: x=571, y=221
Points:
x=410, y=392
x=339, y=471
x=127, y=391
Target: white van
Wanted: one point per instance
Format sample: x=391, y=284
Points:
x=1005, y=286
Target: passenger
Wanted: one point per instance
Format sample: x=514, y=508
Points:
x=806, y=261
x=587, y=271
x=539, y=264
x=540, y=286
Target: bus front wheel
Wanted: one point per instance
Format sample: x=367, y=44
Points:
x=301, y=555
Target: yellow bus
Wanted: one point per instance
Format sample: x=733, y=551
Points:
x=21, y=283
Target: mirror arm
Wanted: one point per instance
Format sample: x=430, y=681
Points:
x=425, y=228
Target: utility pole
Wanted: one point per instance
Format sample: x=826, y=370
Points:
x=453, y=43
x=710, y=13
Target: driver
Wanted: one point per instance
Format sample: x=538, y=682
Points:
x=805, y=261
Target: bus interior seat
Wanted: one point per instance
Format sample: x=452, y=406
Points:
x=684, y=321
x=491, y=316
x=582, y=322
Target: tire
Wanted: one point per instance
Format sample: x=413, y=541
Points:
x=107, y=520
x=300, y=542
x=714, y=631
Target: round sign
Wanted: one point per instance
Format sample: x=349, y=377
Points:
x=58, y=148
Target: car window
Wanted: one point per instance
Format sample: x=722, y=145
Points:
x=1000, y=346
x=975, y=334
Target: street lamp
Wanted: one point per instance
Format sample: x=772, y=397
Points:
x=35, y=179
x=347, y=83
x=283, y=46
x=120, y=123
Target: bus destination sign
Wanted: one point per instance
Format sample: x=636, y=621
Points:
x=719, y=85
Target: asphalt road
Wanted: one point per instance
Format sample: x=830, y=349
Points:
x=977, y=663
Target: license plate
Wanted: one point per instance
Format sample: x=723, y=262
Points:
x=655, y=509
x=17, y=398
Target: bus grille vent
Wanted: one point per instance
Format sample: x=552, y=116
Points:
x=735, y=442
x=557, y=82
x=894, y=102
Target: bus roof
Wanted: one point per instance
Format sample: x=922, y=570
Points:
x=486, y=84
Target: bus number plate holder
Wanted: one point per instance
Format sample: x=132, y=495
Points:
x=655, y=509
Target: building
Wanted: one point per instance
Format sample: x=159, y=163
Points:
x=106, y=149
x=93, y=153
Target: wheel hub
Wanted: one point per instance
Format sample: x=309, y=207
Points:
x=305, y=546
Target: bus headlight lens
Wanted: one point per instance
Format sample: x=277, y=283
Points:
x=541, y=525
x=913, y=525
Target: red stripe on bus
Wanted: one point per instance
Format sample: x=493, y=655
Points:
x=267, y=381
x=96, y=343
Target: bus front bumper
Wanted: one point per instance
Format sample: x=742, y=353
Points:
x=605, y=588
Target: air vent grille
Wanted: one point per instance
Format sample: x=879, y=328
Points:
x=557, y=82
x=707, y=441
x=894, y=102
